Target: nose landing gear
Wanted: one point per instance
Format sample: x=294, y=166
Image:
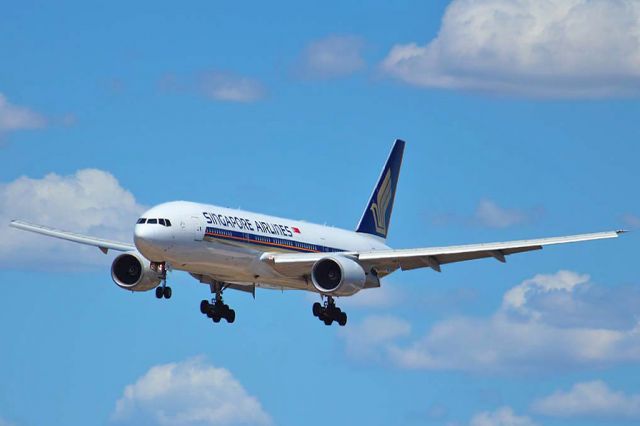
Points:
x=329, y=312
x=163, y=290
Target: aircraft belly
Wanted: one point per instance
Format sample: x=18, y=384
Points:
x=232, y=262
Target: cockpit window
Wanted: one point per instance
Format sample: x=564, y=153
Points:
x=155, y=221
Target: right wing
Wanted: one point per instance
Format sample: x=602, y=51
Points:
x=407, y=259
x=102, y=244
x=387, y=261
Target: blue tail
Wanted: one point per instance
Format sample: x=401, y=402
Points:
x=377, y=216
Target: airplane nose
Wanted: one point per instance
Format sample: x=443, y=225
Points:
x=140, y=234
x=141, y=237
x=148, y=242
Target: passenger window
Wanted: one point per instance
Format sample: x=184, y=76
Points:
x=167, y=222
x=154, y=221
x=142, y=220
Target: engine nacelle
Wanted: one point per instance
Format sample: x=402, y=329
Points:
x=338, y=276
x=133, y=272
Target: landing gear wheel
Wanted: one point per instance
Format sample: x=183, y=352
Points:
x=159, y=292
x=329, y=312
x=317, y=309
x=167, y=292
x=211, y=311
x=342, y=319
x=217, y=309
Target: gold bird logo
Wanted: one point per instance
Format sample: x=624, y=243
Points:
x=380, y=206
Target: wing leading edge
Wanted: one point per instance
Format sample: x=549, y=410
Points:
x=101, y=243
x=386, y=261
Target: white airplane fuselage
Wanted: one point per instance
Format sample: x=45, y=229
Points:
x=227, y=244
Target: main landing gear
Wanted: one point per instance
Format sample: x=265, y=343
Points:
x=217, y=309
x=329, y=312
x=163, y=290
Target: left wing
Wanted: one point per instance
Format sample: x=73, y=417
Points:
x=387, y=261
x=101, y=243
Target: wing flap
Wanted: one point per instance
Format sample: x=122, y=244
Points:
x=435, y=261
x=103, y=244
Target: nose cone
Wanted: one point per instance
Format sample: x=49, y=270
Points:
x=150, y=242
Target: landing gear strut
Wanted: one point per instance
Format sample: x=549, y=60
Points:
x=164, y=290
x=217, y=309
x=329, y=312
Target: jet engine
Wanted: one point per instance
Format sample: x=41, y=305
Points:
x=338, y=276
x=131, y=271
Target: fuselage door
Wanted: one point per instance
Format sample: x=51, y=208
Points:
x=198, y=228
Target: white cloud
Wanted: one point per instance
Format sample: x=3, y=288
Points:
x=13, y=117
x=191, y=392
x=4, y=422
x=333, y=56
x=519, y=297
x=491, y=215
x=503, y=416
x=588, y=400
x=90, y=201
x=225, y=86
x=569, y=300
x=543, y=48
x=546, y=323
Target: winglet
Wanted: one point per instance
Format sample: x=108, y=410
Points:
x=377, y=216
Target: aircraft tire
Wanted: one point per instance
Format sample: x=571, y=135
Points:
x=342, y=319
x=231, y=316
x=204, y=307
x=159, y=292
x=317, y=310
x=167, y=292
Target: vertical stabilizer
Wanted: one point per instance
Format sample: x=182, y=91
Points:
x=377, y=216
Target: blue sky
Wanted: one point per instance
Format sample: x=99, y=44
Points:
x=289, y=109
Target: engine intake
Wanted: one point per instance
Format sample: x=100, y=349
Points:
x=133, y=272
x=338, y=276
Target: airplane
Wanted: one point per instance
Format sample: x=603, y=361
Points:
x=240, y=250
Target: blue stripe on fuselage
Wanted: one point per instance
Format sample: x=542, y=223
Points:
x=267, y=241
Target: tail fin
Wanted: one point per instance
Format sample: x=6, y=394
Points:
x=377, y=216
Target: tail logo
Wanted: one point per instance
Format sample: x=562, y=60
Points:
x=381, y=205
